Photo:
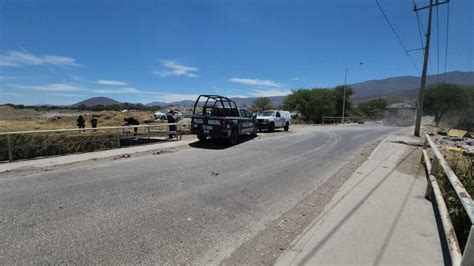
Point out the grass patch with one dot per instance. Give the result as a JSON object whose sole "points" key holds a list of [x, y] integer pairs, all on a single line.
{"points": [[40, 145]]}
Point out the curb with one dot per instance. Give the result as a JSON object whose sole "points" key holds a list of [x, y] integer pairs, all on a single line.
{"points": [[318, 219]]}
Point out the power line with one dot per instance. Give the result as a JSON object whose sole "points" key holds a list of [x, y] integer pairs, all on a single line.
{"points": [[421, 29], [447, 38], [398, 37], [437, 38], [391, 26]]}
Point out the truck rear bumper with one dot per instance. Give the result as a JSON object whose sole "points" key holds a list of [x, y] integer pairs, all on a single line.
{"points": [[213, 133]]}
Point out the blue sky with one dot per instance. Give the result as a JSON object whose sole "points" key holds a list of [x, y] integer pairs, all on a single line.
{"points": [[61, 52]]}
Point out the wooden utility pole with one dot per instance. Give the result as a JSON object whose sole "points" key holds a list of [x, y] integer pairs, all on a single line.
{"points": [[419, 109]]}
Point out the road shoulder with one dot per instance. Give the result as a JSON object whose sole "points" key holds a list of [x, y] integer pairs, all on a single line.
{"points": [[268, 244], [379, 216]]}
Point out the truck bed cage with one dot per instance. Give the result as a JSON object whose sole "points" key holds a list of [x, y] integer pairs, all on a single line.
{"points": [[227, 106]]}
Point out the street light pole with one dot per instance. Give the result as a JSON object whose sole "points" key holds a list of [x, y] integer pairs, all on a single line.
{"points": [[344, 97]]}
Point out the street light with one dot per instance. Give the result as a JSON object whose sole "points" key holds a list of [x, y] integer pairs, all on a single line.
{"points": [[344, 94]]}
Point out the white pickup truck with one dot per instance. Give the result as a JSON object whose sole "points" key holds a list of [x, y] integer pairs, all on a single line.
{"points": [[272, 119]]}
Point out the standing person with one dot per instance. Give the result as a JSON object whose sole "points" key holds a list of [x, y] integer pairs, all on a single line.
{"points": [[81, 122], [130, 121], [94, 121], [171, 119]]}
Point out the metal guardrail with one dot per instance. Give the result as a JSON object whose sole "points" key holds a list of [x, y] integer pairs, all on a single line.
{"points": [[120, 132], [457, 257]]}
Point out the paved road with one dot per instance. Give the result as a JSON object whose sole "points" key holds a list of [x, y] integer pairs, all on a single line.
{"points": [[196, 205]]}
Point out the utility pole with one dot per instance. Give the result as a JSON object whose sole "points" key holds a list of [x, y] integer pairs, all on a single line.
{"points": [[344, 94], [419, 109], [344, 98]]}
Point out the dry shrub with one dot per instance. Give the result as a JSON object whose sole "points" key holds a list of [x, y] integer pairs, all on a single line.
{"points": [[40, 145], [463, 168]]}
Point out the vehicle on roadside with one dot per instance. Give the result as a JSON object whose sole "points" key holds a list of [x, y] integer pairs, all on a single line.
{"points": [[161, 115], [271, 119], [218, 117]]}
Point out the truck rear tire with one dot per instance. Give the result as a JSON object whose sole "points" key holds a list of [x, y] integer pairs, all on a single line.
{"points": [[254, 133], [202, 137], [287, 126], [271, 127], [234, 137]]}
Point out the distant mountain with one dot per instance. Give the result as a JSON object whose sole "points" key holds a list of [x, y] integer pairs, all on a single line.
{"points": [[178, 103], [404, 86], [395, 89], [97, 101], [158, 104], [277, 100]]}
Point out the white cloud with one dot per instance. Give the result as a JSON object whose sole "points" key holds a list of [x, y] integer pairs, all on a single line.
{"points": [[7, 77], [265, 92], [11, 94], [50, 87], [176, 69], [67, 95], [120, 91], [77, 77], [111, 82], [17, 59], [256, 82], [59, 87]]}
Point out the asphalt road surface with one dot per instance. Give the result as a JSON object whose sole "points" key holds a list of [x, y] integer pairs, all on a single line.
{"points": [[195, 205]]}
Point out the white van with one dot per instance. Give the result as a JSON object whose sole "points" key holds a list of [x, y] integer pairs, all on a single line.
{"points": [[271, 119]]}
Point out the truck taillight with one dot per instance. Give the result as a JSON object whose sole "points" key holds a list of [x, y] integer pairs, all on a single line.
{"points": [[223, 123]]}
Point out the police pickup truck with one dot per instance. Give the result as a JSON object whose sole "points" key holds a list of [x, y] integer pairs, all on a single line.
{"points": [[218, 117]]}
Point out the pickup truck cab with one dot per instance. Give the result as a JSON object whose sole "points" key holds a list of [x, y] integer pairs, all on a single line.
{"points": [[271, 119], [218, 117]]}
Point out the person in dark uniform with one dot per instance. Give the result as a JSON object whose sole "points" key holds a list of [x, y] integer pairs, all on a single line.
{"points": [[130, 121], [94, 121], [81, 122], [171, 119]]}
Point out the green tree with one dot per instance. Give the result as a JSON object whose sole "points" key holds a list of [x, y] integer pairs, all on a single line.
{"points": [[466, 118], [262, 103], [313, 104], [82, 107], [372, 108], [443, 98], [299, 100], [339, 94]]}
